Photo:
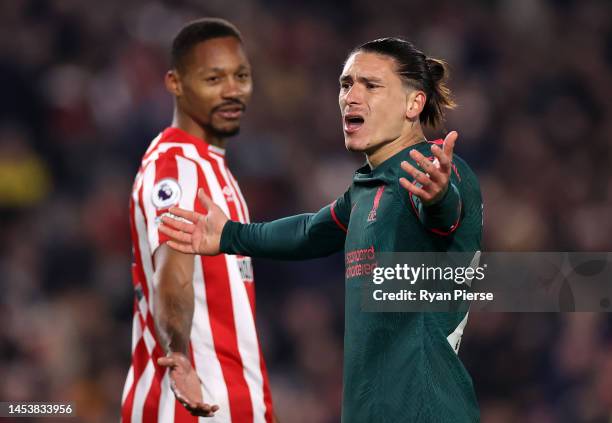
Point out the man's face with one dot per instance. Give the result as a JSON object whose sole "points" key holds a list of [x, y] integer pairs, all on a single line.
{"points": [[372, 100], [216, 85]]}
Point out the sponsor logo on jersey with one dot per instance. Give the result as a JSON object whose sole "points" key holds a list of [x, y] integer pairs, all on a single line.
{"points": [[246, 268], [166, 193]]}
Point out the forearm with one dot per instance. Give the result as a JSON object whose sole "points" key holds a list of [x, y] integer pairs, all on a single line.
{"points": [[292, 238], [173, 299], [443, 216], [173, 315]]}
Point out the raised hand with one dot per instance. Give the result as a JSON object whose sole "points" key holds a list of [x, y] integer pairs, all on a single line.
{"points": [[186, 385], [434, 178], [195, 233]]}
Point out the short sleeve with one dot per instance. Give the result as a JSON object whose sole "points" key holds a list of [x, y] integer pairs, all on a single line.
{"points": [[171, 180]]}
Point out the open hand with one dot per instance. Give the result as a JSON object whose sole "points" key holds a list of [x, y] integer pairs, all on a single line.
{"points": [[195, 233], [433, 180], [186, 385]]}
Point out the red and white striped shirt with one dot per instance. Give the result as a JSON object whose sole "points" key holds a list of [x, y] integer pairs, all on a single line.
{"points": [[224, 345]]}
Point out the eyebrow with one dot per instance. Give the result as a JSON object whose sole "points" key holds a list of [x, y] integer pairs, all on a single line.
{"points": [[363, 79], [217, 69]]}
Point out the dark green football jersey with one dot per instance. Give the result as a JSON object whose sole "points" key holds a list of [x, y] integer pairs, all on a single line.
{"points": [[398, 367]]}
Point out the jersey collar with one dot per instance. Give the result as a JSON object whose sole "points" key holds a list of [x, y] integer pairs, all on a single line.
{"points": [[173, 134]]}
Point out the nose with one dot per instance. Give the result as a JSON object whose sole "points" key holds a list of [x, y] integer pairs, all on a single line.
{"points": [[354, 95], [231, 88]]}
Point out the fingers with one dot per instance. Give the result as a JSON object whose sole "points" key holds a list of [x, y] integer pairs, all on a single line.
{"points": [[419, 176], [175, 235], [427, 165], [412, 188], [196, 408], [203, 410], [183, 248], [205, 199], [185, 214], [177, 224], [449, 144], [443, 159], [167, 362]]}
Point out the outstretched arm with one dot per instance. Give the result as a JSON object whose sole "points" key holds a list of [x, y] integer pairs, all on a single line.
{"points": [[293, 238]]}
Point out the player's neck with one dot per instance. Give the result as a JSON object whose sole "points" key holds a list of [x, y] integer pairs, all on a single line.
{"points": [[188, 125], [390, 149]]}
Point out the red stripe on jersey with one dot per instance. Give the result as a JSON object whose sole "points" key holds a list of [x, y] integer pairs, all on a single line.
{"points": [[245, 209], [237, 199], [250, 288], [333, 213], [138, 276], [267, 394], [138, 356], [456, 171], [379, 193], [177, 136], [151, 403], [223, 327], [138, 261], [139, 361], [181, 415], [151, 408], [231, 205]]}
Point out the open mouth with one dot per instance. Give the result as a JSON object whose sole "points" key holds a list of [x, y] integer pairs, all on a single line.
{"points": [[353, 123]]}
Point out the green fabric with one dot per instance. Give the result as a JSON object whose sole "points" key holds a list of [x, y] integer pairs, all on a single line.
{"points": [[444, 214], [398, 367]]}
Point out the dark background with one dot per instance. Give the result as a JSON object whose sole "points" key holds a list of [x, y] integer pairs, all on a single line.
{"points": [[83, 95]]}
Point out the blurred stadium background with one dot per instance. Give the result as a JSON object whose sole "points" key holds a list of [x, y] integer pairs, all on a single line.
{"points": [[84, 95]]}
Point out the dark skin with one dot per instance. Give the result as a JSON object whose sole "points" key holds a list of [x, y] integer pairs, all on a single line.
{"points": [[211, 87]]}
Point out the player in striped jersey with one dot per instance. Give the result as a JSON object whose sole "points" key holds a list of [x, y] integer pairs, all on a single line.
{"points": [[195, 350]]}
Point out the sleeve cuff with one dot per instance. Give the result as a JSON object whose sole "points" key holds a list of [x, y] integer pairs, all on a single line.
{"points": [[443, 216], [228, 234]]}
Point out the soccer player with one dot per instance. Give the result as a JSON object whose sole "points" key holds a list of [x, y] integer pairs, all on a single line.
{"points": [[195, 350], [412, 195]]}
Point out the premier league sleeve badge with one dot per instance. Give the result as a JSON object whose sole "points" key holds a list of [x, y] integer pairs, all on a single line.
{"points": [[166, 193]]}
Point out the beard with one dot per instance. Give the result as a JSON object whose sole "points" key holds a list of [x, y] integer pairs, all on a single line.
{"points": [[223, 132], [231, 129]]}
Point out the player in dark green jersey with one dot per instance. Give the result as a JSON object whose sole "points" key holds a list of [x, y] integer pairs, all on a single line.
{"points": [[411, 195]]}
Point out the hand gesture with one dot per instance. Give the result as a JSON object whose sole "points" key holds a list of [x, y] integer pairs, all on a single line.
{"points": [[186, 385], [434, 179], [195, 233]]}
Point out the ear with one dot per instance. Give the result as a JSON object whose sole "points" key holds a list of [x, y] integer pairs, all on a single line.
{"points": [[415, 102], [172, 80]]}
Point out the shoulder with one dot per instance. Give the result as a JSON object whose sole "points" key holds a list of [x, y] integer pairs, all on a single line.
{"points": [[463, 170], [466, 181]]}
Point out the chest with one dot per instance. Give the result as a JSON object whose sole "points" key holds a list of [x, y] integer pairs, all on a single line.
{"points": [[375, 211], [382, 221]]}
